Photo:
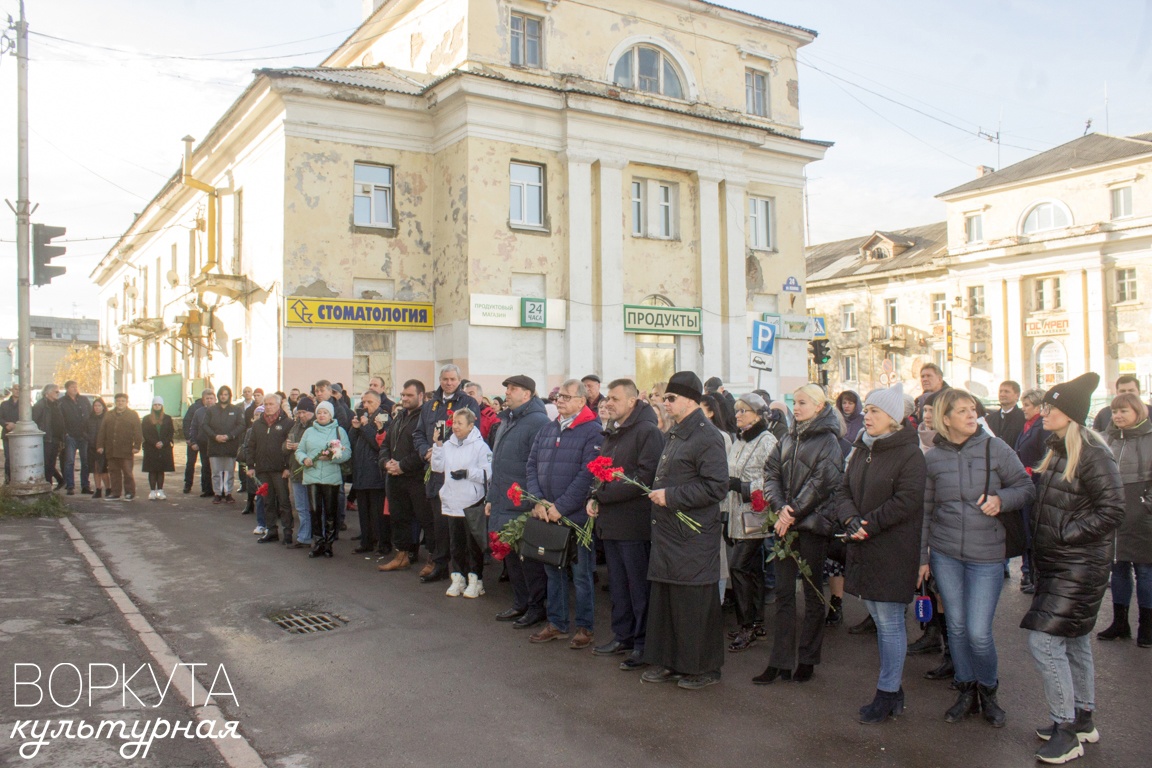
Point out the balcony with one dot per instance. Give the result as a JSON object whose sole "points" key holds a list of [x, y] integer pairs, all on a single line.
{"points": [[143, 327], [898, 337]]}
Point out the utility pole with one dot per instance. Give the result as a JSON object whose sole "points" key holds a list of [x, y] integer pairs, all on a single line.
{"points": [[26, 441]]}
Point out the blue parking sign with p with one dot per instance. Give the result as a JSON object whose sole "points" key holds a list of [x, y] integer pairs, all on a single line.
{"points": [[763, 337]]}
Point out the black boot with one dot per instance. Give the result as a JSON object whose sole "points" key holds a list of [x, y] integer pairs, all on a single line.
{"points": [[967, 703], [995, 716], [946, 671], [1120, 629], [771, 674], [1144, 634], [1083, 726], [1063, 746], [929, 642], [864, 627], [886, 703], [835, 612]]}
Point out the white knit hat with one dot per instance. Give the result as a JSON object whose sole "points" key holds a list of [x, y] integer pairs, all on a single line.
{"points": [[324, 405], [157, 400], [890, 400]]}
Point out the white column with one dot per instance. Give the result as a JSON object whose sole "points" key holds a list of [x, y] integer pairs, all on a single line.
{"points": [[997, 311], [1095, 322], [712, 322], [614, 360], [1078, 341], [581, 328], [1014, 320], [736, 348]]}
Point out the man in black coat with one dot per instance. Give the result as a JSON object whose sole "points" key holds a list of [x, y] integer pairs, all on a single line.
{"points": [[634, 442], [46, 414], [685, 638], [404, 465], [196, 440], [367, 478], [436, 421], [220, 435], [191, 453], [75, 408], [1008, 422], [267, 460]]}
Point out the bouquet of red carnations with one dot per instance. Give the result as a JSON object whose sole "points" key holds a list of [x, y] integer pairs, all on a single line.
{"points": [[603, 471]]}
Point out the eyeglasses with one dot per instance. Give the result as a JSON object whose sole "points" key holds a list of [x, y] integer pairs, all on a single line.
{"points": [[671, 398], [1045, 409], [743, 410], [566, 398]]}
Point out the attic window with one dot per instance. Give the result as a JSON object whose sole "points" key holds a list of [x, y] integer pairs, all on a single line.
{"points": [[879, 253]]}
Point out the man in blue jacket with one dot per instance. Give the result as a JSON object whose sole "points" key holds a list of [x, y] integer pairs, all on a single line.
{"points": [[520, 421], [558, 473]]}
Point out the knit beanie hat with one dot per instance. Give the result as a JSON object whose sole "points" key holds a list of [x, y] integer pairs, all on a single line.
{"points": [[306, 404], [1074, 398], [686, 384], [890, 400], [324, 405], [157, 400]]}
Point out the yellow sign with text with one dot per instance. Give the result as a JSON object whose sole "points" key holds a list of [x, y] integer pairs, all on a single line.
{"points": [[361, 315]]}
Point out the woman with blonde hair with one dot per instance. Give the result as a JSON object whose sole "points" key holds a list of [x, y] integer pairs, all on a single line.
{"points": [[1080, 502], [803, 472]]}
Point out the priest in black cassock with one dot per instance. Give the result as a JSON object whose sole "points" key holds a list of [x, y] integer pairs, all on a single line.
{"points": [[685, 638]]}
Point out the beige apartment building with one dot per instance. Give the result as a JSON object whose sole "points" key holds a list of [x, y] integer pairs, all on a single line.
{"points": [[536, 186], [1041, 271]]}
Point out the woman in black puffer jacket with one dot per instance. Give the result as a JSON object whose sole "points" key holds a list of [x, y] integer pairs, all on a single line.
{"points": [[1080, 502], [803, 472]]}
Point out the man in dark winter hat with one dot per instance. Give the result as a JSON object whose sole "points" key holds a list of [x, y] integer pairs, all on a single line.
{"points": [[685, 638]]}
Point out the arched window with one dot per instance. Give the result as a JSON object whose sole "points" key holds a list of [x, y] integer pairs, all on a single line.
{"points": [[1045, 216], [649, 69]]}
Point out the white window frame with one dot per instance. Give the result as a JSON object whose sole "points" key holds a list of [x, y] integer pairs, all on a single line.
{"points": [[891, 312], [524, 189], [666, 208], [849, 367], [365, 189], [1121, 202], [1050, 207], [847, 317], [762, 223], [974, 228], [519, 39], [976, 300], [753, 77], [939, 307], [1126, 284], [639, 206], [632, 81]]}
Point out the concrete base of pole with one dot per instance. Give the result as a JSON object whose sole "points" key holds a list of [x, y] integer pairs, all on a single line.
{"points": [[26, 460]]}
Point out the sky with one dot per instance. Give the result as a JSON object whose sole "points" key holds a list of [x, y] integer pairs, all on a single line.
{"points": [[912, 94]]}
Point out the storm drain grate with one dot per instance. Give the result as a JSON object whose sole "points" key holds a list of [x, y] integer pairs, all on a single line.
{"points": [[307, 622]]}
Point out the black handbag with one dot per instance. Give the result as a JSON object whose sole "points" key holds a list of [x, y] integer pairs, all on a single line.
{"points": [[477, 520], [1013, 522], [549, 543]]}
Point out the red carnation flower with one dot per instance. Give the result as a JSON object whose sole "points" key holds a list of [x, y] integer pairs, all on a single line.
{"points": [[500, 550], [758, 502], [602, 469], [516, 494], [262, 490]]}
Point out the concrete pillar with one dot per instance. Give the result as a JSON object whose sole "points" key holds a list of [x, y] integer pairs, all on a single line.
{"points": [[1015, 333], [1079, 339], [1095, 325], [996, 310], [736, 347], [712, 322], [614, 359], [581, 327]]}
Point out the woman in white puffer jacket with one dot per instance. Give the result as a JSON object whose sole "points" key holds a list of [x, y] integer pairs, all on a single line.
{"points": [[466, 461]]}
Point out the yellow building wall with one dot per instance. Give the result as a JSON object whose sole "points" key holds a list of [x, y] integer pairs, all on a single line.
{"points": [[653, 265]]}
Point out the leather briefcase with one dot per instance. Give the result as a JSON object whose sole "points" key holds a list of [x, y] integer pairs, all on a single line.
{"points": [[549, 543]]}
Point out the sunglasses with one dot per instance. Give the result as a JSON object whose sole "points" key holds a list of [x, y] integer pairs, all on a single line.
{"points": [[671, 398]]}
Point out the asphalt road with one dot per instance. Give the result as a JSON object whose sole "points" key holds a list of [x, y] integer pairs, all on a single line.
{"points": [[416, 678]]}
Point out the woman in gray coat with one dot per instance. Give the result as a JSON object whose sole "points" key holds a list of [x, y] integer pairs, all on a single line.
{"points": [[1130, 438], [973, 479]]}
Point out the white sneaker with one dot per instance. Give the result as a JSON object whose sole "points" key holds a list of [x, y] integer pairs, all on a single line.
{"points": [[259, 530], [160, 496], [457, 585], [475, 587], [151, 495]]}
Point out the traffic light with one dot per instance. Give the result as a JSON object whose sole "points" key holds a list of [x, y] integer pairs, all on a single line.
{"points": [[43, 252], [819, 349]]}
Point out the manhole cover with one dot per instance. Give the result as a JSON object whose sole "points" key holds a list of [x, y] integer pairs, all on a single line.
{"points": [[302, 622]]}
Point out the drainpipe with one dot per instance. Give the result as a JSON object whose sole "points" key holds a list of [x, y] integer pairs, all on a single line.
{"points": [[213, 201]]}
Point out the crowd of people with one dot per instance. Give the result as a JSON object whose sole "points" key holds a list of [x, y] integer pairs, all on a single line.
{"points": [[730, 502]]}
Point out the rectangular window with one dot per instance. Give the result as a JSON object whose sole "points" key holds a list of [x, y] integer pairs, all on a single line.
{"points": [[975, 299], [756, 92], [848, 367], [665, 221], [891, 317], [760, 229], [1126, 285], [1056, 302], [1042, 297], [638, 205], [939, 307], [525, 41], [974, 228], [526, 195], [372, 201], [848, 317], [1121, 202]]}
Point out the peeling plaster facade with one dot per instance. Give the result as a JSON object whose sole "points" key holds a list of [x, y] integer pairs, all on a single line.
{"points": [[428, 90]]}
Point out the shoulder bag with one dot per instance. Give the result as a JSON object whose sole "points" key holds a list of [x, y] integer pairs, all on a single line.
{"points": [[477, 520]]}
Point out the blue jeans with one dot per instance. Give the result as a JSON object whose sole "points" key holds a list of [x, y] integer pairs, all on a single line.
{"points": [[258, 503], [68, 464], [970, 592], [303, 510], [1067, 671], [582, 571], [1122, 583], [892, 636]]}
